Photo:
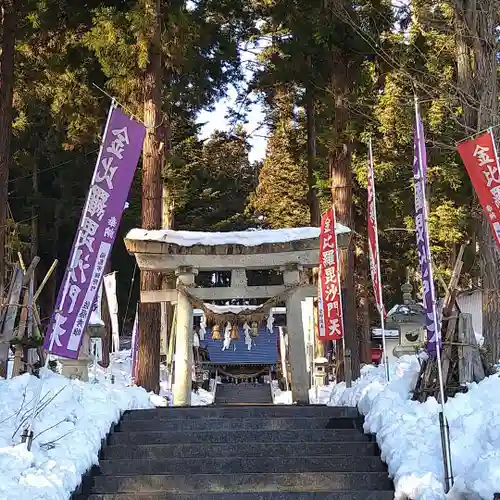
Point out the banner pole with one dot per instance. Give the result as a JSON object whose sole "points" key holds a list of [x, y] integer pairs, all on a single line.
{"points": [[445, 430], [65, 291], [377, 256]]}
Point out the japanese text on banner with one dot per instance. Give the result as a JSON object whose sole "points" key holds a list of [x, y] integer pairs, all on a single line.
{"points": [[372, 240], [330, 321], [423, 248], [481, 161], [96, 233]]}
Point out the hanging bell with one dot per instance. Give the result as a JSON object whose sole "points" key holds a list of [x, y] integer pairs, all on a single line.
{"points": [[234, 333], [255, 329], [216, 333]]}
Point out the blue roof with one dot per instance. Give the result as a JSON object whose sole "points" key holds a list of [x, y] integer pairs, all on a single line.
{"points": [[264, 349]]}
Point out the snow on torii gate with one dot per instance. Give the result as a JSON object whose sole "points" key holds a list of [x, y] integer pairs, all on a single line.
{"points": [[287, 250]]}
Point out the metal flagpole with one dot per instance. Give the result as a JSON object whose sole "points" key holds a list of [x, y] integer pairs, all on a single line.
{"points": [[377, 255], [65, 292], [444, 422]]}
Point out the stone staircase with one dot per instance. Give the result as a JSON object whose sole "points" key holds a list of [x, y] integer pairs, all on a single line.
{"points": [[239, 453], [245, 393]]}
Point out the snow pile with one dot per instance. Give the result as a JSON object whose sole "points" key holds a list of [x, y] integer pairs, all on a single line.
{"points": [[408, 432], [73, 418], [166, 398], [317, 395], [201, 398], [280, 397], [246, 238], [120, 370]]}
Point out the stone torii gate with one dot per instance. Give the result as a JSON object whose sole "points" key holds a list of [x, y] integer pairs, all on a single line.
{"points": [[289, 251]]}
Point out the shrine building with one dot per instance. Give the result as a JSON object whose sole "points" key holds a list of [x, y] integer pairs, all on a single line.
{"points": [[233, 292]]}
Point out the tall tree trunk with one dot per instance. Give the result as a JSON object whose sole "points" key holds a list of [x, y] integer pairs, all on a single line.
{"points": [[148, 369], [477, 80], [168, 279], [8, 17], [342, 191], [51, 294], [34, 212], [312, 196]]}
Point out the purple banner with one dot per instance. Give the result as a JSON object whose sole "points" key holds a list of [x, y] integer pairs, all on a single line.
{"points": [[422, 233], [420, 151], [134, 347], [109, 188]]}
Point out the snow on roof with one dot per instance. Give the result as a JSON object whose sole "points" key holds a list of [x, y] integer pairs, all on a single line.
{"points": [[246, 238]]}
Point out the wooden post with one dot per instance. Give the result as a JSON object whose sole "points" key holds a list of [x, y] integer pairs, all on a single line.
{"points": [[30, 355], [18, 354], [449, 315], [45, 279], [476, 365], [26, 316], [347, 367], [465, 350], [37, 324], [4, 308], [9, 320]]}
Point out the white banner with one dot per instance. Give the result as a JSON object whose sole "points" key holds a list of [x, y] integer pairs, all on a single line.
{"points": [[134, 347], [110, 287], [284, 367], [96, 348], [95, 315], [307, 306]]}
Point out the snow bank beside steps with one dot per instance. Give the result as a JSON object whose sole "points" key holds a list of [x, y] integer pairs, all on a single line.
{"points": [[68, 432], [409, 437]]}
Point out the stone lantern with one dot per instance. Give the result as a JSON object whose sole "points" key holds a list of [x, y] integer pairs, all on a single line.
{"points": [[320, 371], [409, 319], [79, 368]]}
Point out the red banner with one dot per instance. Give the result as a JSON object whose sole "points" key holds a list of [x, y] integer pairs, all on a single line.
{"points": [[373, 239], [481, 161], [330, 320]]}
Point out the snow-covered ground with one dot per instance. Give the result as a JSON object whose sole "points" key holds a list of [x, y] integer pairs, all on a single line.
{"points": [[409, 437], [317, 395], [69, 429], [72, 419], [120, 370]]}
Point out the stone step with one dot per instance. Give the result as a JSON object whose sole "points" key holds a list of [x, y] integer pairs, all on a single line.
{"points": [[205, 412], [282, 495], [252, 449], [228, 437], [251, 423], [243, 393], [242, 483], [255, 465]]}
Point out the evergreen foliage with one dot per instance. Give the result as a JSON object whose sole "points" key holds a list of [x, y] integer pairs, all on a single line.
{"points": [[330, 73]]}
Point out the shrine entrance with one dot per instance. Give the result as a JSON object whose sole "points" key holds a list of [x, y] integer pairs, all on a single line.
{"points": [[236, 280]]}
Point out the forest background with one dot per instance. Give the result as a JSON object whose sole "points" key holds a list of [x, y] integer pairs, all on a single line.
{"points": [[328, 74]]}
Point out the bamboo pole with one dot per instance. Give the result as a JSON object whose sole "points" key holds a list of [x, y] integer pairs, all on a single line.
{"points": [[45, 279]]}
